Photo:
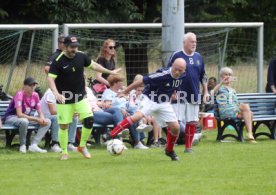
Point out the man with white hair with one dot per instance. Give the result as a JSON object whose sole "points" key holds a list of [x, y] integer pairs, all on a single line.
{"points": [[187, 108]]}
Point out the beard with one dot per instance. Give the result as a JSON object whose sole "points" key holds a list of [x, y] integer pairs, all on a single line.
{"points": [[71, 54]]}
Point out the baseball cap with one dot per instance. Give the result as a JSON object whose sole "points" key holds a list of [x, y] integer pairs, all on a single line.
{"points": [[71, 41], [30, 81]]}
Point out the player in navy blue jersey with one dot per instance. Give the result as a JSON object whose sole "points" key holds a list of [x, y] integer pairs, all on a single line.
{"points": [[159, 88], [188, 107], [55, 54]]}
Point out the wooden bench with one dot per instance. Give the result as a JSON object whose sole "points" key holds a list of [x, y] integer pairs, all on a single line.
{"points": [[263, 107]]}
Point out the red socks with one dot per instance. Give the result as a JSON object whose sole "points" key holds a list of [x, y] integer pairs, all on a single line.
{"points": [[189, 135], [171, 139], [126, 123]]}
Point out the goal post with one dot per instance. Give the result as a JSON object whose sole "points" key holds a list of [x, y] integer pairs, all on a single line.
{"points": [[219, 43], [24, 49]]}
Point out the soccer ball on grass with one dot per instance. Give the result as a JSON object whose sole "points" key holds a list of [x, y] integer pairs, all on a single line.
{"points": [[115, 147]]}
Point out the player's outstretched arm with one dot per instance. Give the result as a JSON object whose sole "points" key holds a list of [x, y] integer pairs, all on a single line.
{"points": [[99, 68], [133, 85]]}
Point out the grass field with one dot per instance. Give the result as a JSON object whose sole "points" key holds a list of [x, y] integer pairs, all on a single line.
{"points": [[215, 168]]}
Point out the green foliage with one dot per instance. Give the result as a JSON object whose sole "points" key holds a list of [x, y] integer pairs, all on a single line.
{"points": [[124, 11], [3, 13]]}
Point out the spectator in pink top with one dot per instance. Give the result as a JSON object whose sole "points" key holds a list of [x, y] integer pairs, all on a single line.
{"points": [[21, 112]]}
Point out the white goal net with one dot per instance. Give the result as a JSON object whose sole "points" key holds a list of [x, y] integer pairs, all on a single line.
{"points": [[139, 48], [24, 50]]}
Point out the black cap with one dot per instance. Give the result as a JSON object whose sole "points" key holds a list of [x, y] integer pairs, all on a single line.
{"points": [[29, 81], [71, 41]]}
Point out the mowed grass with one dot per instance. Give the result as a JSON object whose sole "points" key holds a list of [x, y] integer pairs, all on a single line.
{"points": [[214, 168]]}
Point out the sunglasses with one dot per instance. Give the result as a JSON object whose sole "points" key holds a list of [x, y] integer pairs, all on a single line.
{"points": [[112, 47]]}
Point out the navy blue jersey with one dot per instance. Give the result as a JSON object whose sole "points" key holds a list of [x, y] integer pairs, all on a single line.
{"points": [[160, 86], [195, 73], [271, 75], [53, 57]]}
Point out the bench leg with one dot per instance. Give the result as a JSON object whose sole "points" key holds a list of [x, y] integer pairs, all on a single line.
{"points": [[48, 139], [239, 129], [150, 138], [28, 138], [96, 133], [273, 131], [9, 137], [220, 131], [271, 126]]}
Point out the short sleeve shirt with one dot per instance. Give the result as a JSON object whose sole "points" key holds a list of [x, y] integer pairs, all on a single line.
{"points": [[108, 64], [27, 104], [68, 74], [160, 86], [53, 57], [48, 98], [116, 101]]}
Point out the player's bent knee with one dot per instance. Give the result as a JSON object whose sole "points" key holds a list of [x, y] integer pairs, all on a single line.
{"points": [[88, 122]]}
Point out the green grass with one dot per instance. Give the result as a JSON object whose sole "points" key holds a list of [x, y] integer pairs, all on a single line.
{"points": [[214, 168]]}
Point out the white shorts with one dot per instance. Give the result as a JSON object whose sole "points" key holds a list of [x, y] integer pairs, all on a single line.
{"points": [[186, 112], [163, 112]]}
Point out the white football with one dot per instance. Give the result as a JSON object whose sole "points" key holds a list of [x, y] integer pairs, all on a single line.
{"points": [[115, 147]]}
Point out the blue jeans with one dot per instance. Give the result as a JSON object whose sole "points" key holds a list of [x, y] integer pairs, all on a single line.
{"points": [[108, 116], [72, 130], [55, 127]]}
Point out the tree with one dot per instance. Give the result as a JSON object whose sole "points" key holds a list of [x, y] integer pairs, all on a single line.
{"points": [[236, 11]]}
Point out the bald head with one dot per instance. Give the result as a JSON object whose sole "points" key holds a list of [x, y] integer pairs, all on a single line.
{"points": [[189, 43], [178, 67]]}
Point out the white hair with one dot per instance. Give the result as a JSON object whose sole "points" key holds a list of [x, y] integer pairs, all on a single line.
{"points": [[225, 70], [138, 77], [188, 35]]}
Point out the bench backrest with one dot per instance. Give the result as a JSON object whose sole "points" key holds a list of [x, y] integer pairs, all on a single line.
{"points": [[3, 107], [260, 104]]}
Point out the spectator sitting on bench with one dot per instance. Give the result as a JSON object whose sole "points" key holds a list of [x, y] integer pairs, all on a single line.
{"points": [[147, 123], [20, 113], [110, 97], [48, 108], [228, 105], [104, 114]]}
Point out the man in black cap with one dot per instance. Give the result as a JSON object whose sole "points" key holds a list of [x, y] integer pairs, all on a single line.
{"points": [[20, 113], [66, 80], [73, 126]]}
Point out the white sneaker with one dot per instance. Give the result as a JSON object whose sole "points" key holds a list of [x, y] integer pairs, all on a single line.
{"points": [[197, 138], [144, 128], [35, 148], [140, 146], [22, 149], [55, 148], [71, 148], [125, 148]]}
